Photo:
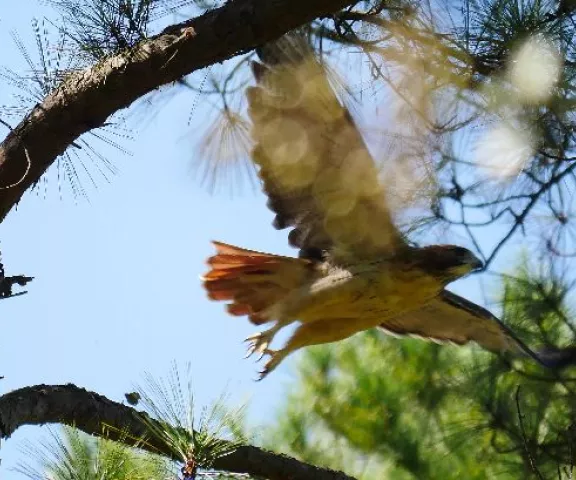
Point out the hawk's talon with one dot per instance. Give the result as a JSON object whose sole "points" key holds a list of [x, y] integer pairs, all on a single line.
{"points": [[258, 343], [250, 338], [262, 374], [250, 351], [270, 365]]}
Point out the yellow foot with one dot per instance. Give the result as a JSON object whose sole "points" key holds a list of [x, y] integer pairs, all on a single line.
{"points": [[258, 343], [275, 358]]}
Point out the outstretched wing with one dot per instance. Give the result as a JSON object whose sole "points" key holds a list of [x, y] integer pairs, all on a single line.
{"points": [[316, 170], [452, 318]]}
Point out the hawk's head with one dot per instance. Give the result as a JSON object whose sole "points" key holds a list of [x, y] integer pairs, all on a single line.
{"points": [[450, 261]]}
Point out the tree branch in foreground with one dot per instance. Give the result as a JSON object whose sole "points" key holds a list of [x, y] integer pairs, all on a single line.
{"points": [[93, 413], [87, 98]]}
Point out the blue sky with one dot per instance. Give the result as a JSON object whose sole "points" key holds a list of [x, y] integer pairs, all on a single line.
{"points": [[117, 292]]}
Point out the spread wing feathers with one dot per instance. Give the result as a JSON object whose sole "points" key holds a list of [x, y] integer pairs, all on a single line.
{"points": [[254, 281], [452, 318], [315, 167]]}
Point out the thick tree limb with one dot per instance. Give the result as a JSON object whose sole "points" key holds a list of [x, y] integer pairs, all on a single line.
{"points": [[92, 413], [87, 98]]}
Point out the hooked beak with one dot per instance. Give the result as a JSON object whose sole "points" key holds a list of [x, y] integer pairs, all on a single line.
{"points": [[477, 265]]}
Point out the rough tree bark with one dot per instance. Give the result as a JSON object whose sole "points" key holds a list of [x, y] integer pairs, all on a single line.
{"points": [[93, 413], [87, 98]]}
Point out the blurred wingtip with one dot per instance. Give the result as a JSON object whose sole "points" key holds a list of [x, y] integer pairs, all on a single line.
{"points": [[290, 48], [557, 358]]}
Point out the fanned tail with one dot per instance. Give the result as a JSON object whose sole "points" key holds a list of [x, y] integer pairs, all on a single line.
{"points": [[255, 282]]}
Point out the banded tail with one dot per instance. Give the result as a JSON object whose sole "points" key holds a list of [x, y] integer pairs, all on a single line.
{"points": [[255, 282]]}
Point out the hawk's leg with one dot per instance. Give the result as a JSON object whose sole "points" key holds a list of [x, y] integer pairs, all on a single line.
{"points": [[315, 333], [259, 341]]}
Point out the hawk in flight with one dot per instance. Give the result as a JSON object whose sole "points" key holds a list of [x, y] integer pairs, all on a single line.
{"points": [[355, 270]]}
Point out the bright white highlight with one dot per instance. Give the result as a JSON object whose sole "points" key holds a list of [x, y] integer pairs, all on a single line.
{"points": [[502, 151], [535, 69]]}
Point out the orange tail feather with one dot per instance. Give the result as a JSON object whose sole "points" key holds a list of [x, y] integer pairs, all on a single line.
{"points": [[255, 282]]}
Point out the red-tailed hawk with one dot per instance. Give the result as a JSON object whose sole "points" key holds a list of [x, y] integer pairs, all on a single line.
{"points": [[355, 270]]}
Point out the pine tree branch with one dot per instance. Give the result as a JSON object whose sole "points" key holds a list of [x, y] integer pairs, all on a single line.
{"points": [[87, 98], [97, 415]]}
